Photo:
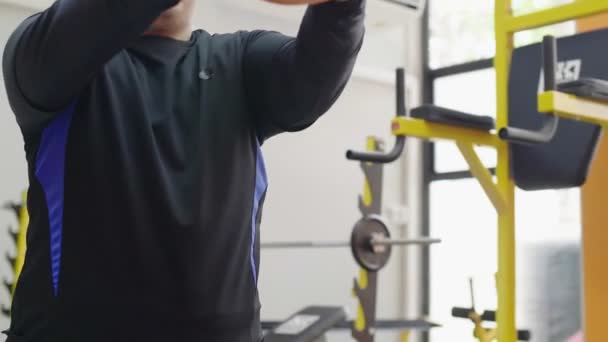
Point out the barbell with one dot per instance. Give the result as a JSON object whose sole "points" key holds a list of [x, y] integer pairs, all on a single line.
{"points": [[341, 244], [370, 243]]}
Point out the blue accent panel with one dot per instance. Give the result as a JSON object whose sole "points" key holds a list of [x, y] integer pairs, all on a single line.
{"points": [[261, 184], [50, 172]]}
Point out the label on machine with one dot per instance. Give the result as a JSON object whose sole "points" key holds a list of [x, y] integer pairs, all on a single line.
{"points": [[297, 324]]}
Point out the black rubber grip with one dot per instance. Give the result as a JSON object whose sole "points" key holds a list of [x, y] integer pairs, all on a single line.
{"points": [[524, 335], [401, 105], [550, 62], [462, 312], [488, 316]]}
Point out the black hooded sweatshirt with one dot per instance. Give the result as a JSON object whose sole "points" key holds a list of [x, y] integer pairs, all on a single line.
{"points": [[146, 175]]}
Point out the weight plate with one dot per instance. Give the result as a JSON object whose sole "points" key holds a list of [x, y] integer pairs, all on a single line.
{"points": [[371, 258]]}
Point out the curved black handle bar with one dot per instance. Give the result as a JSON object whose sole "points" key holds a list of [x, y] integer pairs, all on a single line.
{"points": [[395, 153], [525, 136], [376, 157], [546, 133]]}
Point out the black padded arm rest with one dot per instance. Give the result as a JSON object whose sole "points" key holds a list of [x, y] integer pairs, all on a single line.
{"points": [[307, 325], [591, 88], [450, 117]]}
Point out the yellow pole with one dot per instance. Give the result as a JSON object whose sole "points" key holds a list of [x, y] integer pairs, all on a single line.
{"points": [[506, 220], [370, 145], [483, 176], [361, 321], [24, 220]]}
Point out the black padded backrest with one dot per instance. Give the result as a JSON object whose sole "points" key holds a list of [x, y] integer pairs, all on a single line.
{"points": [[565, 161]]}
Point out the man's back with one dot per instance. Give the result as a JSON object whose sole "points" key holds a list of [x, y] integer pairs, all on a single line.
{"points": [[146, 191]]}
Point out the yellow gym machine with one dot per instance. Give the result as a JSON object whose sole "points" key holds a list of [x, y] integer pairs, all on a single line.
{"points": [[19, 237], [481, 332], [467, 131]]}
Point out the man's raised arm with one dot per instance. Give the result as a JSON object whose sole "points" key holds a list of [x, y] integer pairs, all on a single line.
{"points": [[290, 82], [54, 54]]}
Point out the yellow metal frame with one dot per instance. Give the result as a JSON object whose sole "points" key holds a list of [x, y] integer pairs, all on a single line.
{"points": [[572, 107], [502, 192], [24, 221], [554, 15], [361, 322], [483, 176], [506, 25], [481, 333], [427, 130]]}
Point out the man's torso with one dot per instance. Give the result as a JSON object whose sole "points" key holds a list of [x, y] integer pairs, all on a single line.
{"points": [[151, 233]]}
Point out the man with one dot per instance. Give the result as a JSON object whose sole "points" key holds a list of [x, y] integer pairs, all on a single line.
{"points": [[146, 176]]}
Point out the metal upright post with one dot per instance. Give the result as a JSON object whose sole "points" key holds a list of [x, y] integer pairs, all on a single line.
{"points": [[506, 218]]}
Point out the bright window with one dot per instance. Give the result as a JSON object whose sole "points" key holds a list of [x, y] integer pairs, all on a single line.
{"points": [[463, 31], [548, 247]]}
